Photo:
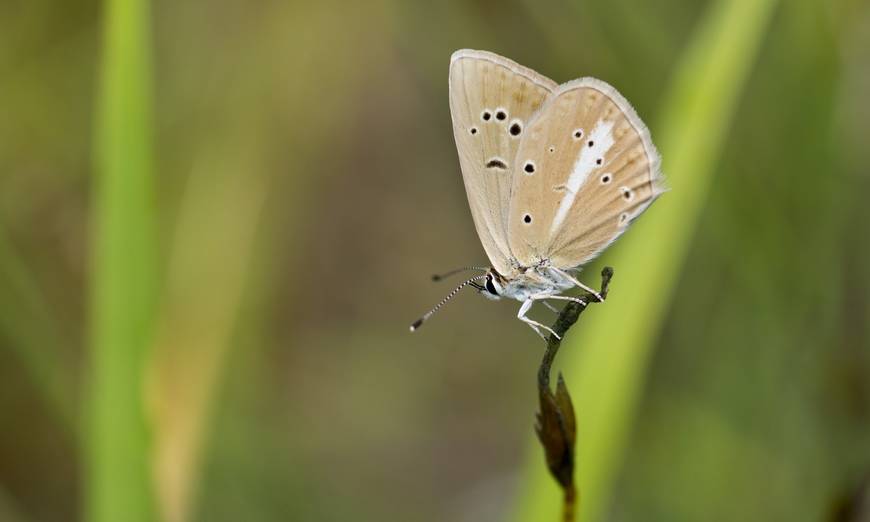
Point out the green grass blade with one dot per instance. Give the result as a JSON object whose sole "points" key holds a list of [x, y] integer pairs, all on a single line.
{"points": [[607, 355], [123, 272], [200, 307]]}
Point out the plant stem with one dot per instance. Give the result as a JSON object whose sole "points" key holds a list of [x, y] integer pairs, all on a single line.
{"points": [[123, 273], [556, 426], [569, 315]]}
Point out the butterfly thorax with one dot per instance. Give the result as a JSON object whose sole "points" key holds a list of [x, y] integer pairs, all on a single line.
{"points": [[524, 282]]}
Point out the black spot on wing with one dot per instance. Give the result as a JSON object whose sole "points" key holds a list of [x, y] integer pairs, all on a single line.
{"points": [[496, 163]]}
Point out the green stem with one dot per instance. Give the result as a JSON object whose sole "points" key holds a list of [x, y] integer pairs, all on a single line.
{"points": [[123, 275]]}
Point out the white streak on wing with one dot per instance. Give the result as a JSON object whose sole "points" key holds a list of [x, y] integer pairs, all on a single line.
{"points": [[602, 139]]}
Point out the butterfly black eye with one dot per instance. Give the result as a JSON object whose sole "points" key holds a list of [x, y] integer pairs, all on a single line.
{"points": [[598, 161], [527, 219], [486, 115], [515, 129], [591, 143], [578, 134], [473, 130], [529, 167], [490, 287], [500, 115]]}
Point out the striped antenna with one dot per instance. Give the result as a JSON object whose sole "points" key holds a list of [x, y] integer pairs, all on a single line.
{"points": [[416, 325], [439, 277]]}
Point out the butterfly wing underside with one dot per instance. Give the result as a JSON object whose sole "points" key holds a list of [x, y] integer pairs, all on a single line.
{"points": [[491, 101], [586, 168]]}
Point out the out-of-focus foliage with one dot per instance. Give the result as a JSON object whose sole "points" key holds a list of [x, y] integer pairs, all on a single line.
{"points": [[305, 186]]}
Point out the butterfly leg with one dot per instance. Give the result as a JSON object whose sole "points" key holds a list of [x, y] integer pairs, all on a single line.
{"points": [[536, 326], [598, 297], [550, 307], [542, 298]]}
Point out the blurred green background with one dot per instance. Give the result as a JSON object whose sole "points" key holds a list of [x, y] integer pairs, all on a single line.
{"points": [[217, 220]]}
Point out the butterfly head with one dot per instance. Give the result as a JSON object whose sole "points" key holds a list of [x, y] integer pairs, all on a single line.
{"points": [[493, 286]]}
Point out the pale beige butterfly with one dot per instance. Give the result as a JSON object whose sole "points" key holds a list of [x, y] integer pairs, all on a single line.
{"points": [[554, 174]]}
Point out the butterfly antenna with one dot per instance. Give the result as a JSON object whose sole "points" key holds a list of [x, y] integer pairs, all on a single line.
{"points": [[439, 277], [416, 324]]}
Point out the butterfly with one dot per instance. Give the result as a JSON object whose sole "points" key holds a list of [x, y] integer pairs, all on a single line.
{"points": [[554, 174]]}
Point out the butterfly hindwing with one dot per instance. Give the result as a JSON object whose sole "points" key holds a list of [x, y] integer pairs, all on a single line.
{"points": [[491, 102], [586, 167]]}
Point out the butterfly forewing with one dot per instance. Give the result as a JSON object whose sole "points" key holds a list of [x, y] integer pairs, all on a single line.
{"points": [[586, 167], [492, 100]]}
